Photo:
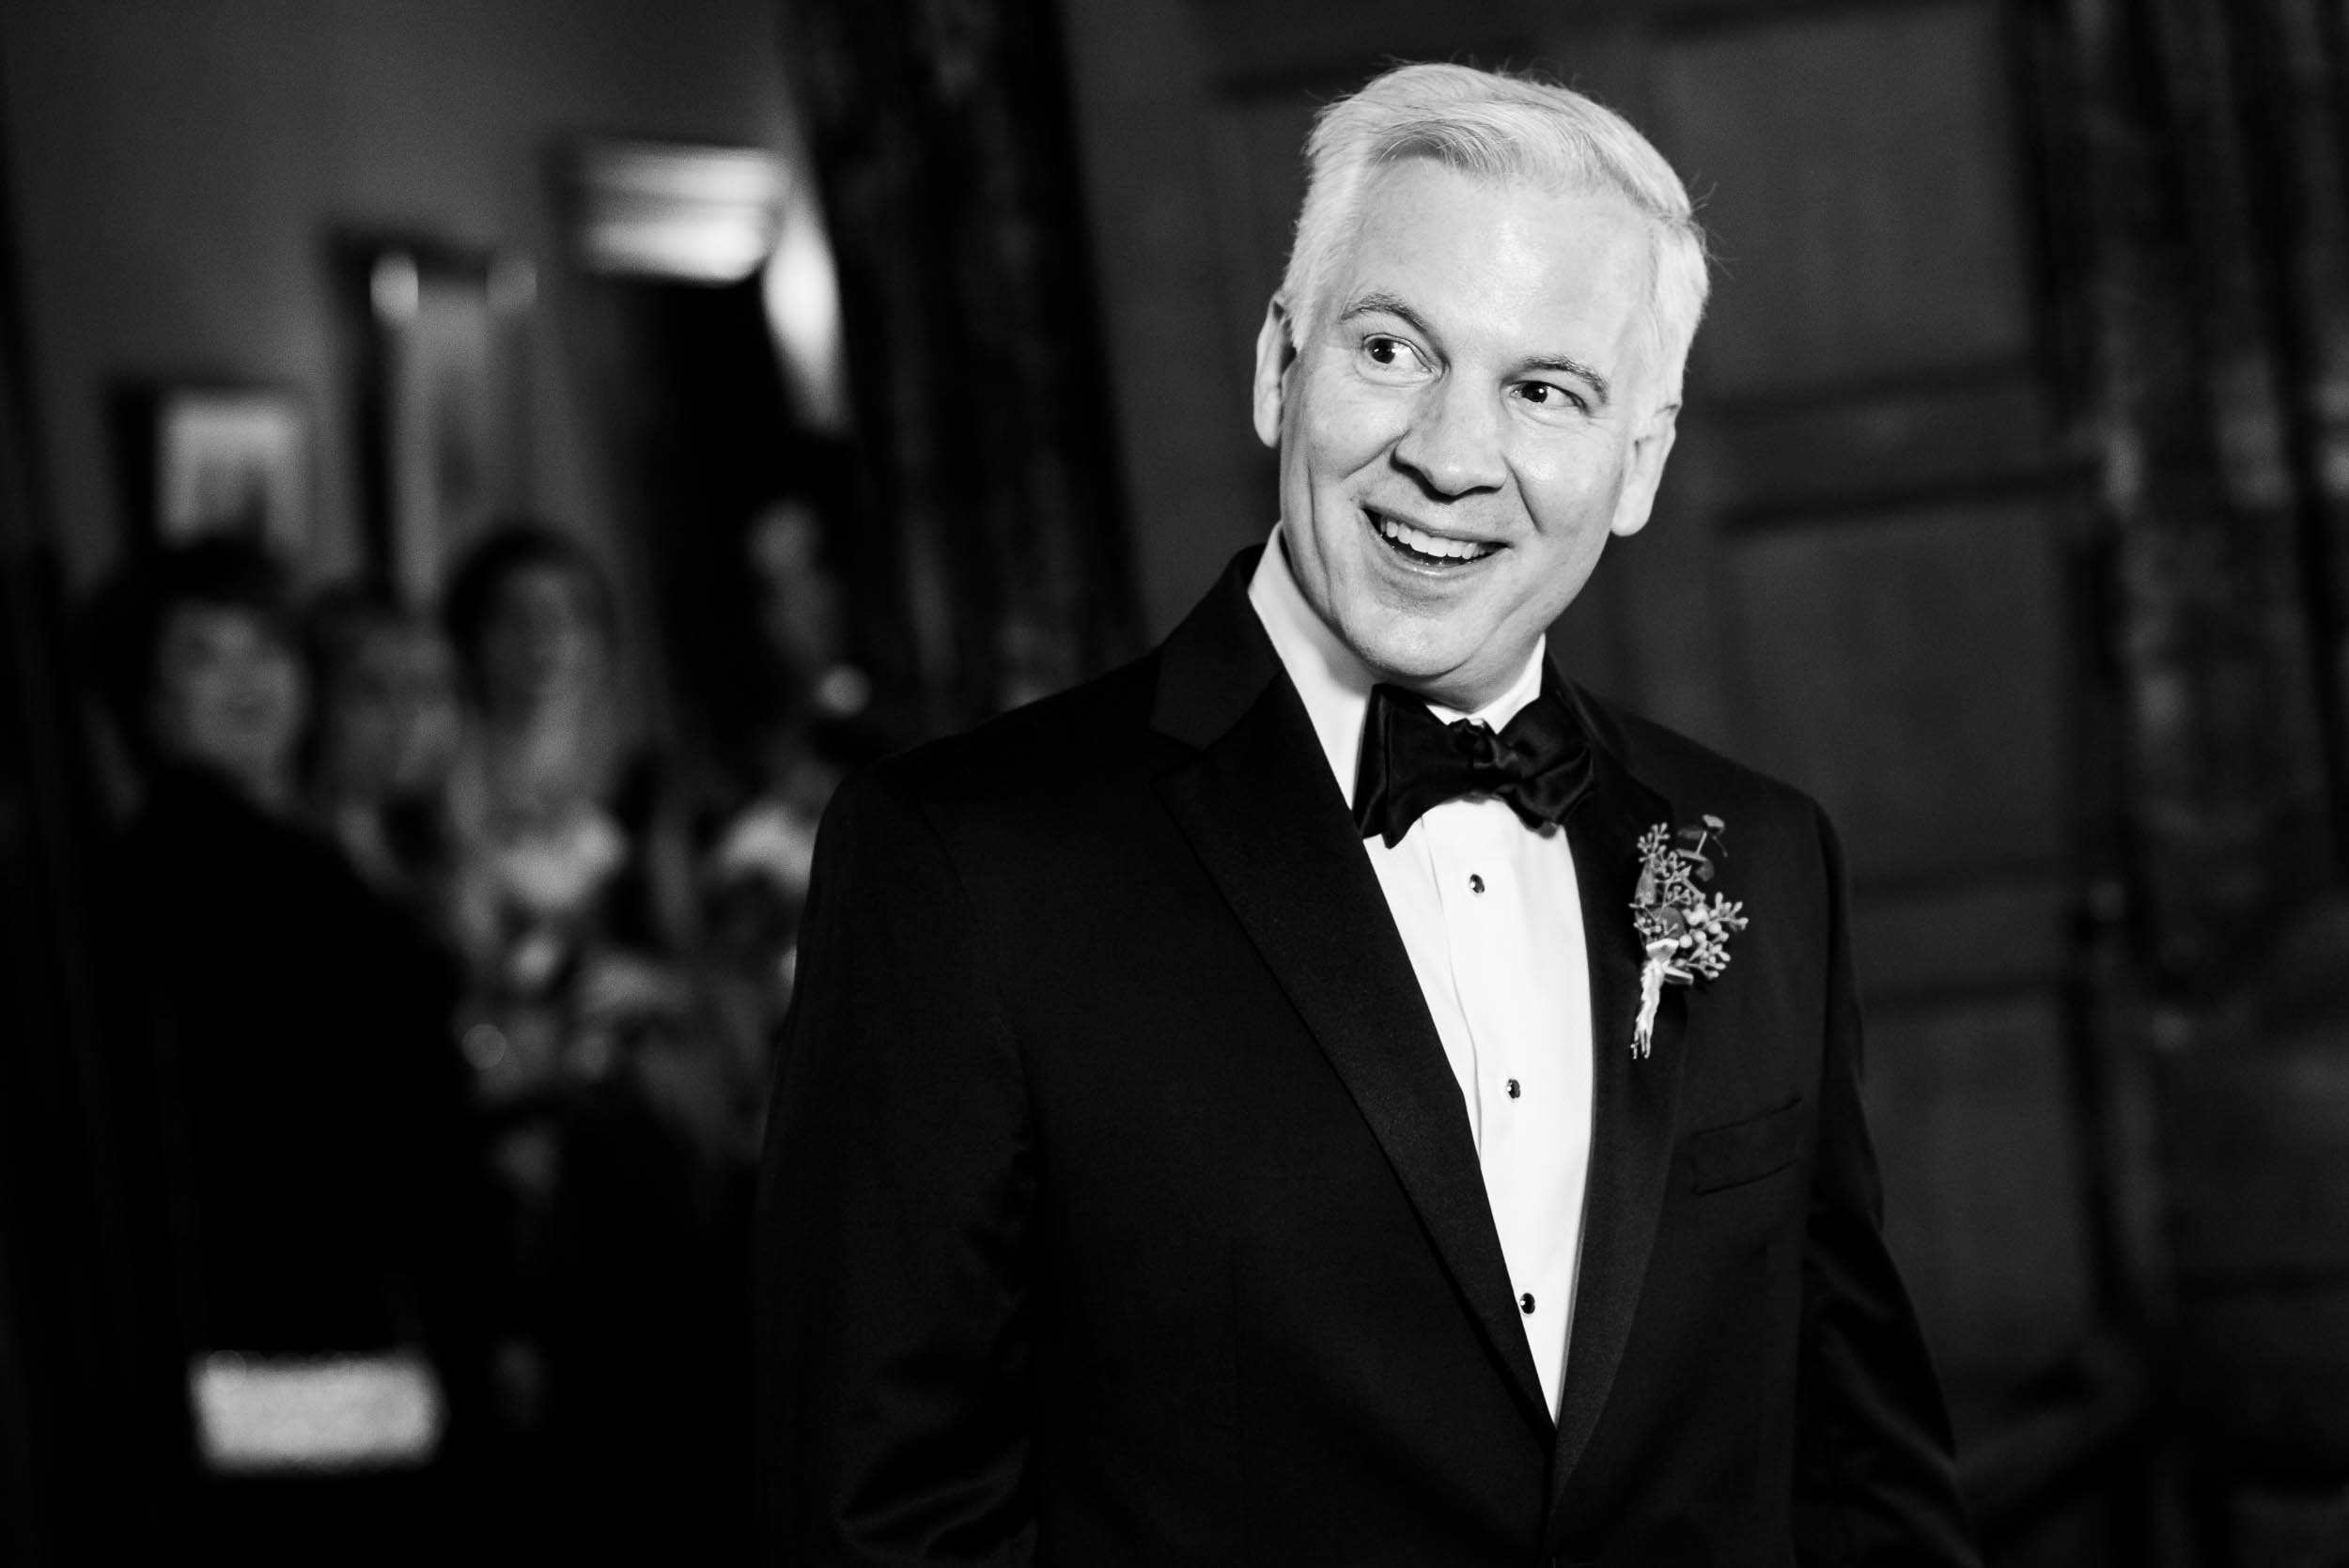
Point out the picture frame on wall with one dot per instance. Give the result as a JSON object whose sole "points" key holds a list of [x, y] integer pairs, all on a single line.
{"points": [[442, 335], [229, 459]]}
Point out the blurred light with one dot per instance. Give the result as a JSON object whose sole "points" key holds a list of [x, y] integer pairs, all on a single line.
{"points": [[803, 296], [698, 214], [395, 287], [263, 1415]]}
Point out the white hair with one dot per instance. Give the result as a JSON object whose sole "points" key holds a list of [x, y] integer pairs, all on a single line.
{"points": [[1497, 126]]}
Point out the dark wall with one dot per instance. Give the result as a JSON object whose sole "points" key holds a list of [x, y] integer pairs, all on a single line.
{"points": [[177, 167]]}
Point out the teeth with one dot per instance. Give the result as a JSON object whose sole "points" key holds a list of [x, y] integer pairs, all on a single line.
{"points": [[1428, 544]]}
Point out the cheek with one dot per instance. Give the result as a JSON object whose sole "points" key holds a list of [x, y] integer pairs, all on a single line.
{"points": [[1570, 492], [1347, 426]]}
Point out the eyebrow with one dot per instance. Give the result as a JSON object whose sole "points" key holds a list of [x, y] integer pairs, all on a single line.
{"points": [[1376, 303]]}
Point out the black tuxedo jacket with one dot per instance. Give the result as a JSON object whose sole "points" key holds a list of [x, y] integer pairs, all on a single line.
{"points": [[1120, 1207]]}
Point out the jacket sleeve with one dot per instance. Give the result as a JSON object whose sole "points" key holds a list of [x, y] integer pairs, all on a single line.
{"points": [[895, 1216], [1874, 1480]]}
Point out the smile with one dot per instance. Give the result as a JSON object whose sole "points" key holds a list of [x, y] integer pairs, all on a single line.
{"points": [[1424, 549]]}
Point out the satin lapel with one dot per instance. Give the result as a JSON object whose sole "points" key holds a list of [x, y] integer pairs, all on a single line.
{"points": [[1635, 1104], [1269, 823]]}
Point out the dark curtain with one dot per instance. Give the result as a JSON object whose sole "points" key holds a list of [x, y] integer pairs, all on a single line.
{"points": [[2198, 224], [942, 142], [2194, 157]]}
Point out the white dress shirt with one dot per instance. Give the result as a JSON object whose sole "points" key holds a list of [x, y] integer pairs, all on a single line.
{"points": [[1489, 913]]}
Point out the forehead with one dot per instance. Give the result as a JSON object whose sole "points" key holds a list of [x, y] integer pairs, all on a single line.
{"points": [[1510, 256]]}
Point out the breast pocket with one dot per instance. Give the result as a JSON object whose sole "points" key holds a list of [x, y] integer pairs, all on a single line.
{"points": [[1746, 1151]]}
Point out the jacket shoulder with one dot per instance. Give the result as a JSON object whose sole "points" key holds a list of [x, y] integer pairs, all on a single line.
{"points": [[1700, 781], [1038, 759]]}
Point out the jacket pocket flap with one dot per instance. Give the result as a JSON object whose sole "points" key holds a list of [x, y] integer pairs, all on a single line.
{"points": [[1745, 1151]]}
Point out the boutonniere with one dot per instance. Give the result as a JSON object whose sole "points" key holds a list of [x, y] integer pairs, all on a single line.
{"points": [[1687, 935]]}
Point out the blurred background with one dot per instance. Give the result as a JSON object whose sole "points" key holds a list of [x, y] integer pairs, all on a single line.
{"points": [[475, 473]]}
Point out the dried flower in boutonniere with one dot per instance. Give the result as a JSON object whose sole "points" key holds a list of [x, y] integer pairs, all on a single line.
{"points": [[1687, 935]]}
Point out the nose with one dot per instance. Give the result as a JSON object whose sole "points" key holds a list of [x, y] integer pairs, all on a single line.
{"points": [[1453, 446]]}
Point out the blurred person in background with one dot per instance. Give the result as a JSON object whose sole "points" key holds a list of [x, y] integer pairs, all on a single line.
{"points": [[623, 1114], [384, 741], [286, 1035], [574, 877], [815, 724]]}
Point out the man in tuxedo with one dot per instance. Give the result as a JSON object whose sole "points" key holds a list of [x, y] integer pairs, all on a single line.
{"points": [[1284, 1102]]}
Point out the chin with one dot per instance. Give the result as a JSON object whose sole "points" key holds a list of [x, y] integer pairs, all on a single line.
{"points": [[1418, 661]]}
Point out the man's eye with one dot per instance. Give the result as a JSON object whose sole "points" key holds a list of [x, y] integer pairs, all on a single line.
{"points": [[1391, 353], [1548, 394]]}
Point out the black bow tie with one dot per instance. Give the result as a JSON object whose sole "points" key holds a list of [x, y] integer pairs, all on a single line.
{"points": [[1412, 760]]}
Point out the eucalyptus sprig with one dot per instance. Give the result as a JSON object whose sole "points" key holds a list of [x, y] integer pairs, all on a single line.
{"points": [[1685, 933]]}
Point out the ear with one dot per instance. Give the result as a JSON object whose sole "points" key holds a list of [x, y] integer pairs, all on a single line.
{"points": [[1276, 350], [1649, 448]]}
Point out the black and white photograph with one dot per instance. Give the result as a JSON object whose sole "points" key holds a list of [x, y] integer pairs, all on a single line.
{"points": [[1165, 783]]}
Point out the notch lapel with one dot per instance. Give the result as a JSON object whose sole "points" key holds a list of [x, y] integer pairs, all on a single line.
{"points": [[1635, 1102], [1270, 825]]}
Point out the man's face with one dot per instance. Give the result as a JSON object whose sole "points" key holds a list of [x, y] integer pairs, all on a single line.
{"points": [[1469, 417]]}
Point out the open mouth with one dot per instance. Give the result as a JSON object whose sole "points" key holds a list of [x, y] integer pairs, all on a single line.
{"points": [[1423, 548]]}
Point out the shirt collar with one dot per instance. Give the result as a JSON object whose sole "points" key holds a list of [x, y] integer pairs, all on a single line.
{"points": [[1332, 678]]}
